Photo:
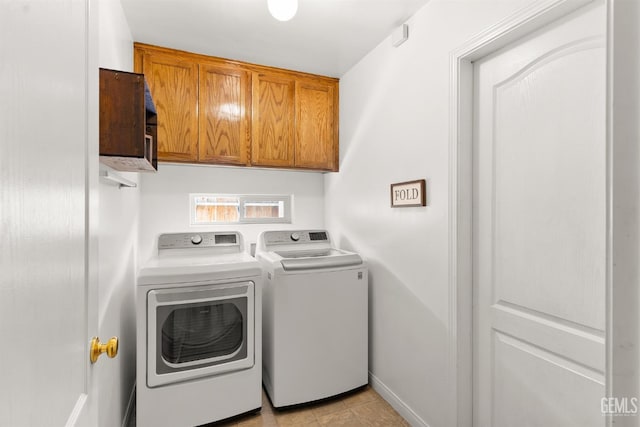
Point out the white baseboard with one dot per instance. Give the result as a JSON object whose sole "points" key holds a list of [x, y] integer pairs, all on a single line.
{"points": [[396, 403], [131, 405]]}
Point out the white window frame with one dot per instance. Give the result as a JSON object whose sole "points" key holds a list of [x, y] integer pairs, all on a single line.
{"points": [[243, 199]]}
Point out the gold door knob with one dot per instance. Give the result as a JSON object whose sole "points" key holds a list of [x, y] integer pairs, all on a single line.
{"points": [[97, 348]]}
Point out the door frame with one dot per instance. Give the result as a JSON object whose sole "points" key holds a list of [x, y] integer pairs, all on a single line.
{"points": [[86, 408], [623, 229]]}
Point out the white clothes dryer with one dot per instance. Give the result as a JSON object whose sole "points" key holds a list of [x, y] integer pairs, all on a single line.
{"points": [[315, 317], [199, 340]]}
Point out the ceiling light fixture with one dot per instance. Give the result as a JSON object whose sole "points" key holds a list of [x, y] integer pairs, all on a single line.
{"points": [[282, 10]]}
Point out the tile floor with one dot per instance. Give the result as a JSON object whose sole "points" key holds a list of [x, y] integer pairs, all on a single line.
{"points": [[360, 408], [363, 407]]}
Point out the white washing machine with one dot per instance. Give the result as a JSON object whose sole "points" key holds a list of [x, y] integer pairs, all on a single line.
{"points": [[198, 318], [315, 317]]}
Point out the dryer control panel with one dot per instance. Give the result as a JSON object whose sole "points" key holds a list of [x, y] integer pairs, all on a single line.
{"points": [[203, 240]]}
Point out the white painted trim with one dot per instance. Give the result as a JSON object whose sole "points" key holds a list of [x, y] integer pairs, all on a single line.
{"points": [[609, 178], [131, 405], [623, 152], [460, 358], [396, 403]]}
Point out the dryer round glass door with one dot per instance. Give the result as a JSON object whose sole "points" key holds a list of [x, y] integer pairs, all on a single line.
{"points": [[199, 331]]}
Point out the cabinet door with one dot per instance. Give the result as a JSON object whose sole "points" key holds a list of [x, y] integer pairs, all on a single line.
{"points": [[173, 83], [316, 125], [225, 109], [273, 120], [122, 114]]}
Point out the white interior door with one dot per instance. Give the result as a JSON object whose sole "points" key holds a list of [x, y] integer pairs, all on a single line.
{"points": [[48, 135], [540, 227]]}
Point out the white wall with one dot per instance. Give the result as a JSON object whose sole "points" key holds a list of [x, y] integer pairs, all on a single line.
{"points": [[118, 215], [165, 199], [394, 118]]}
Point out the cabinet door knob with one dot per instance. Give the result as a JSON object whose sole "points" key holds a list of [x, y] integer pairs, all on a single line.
{"points": [[97, 348]]}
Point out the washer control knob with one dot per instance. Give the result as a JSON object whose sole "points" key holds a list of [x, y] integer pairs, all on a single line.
{"points": [[196, 240], [295, 236]]}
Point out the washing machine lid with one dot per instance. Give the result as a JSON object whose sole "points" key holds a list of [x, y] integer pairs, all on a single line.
{"points": [[296, 250], [307, 260]]}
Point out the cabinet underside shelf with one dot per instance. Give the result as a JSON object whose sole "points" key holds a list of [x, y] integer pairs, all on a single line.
{"points": [[122, 182]]}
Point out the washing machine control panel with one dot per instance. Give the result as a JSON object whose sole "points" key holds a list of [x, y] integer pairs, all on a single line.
{"points": [[295, 237]]}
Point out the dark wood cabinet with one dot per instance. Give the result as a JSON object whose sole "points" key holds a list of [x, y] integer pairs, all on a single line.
{"points": [[128, 122]]}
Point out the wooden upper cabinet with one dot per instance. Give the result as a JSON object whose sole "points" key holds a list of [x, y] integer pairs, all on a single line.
{"points": [[218, 111], [316, 125], [225, 112], [173, 83], [273, 120]]}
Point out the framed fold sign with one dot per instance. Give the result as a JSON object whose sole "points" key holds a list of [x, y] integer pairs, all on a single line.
{"points": [[408, 194]]}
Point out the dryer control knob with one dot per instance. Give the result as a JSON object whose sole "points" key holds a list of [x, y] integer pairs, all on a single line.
{"points": [[196, 240], [295, 237]]}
